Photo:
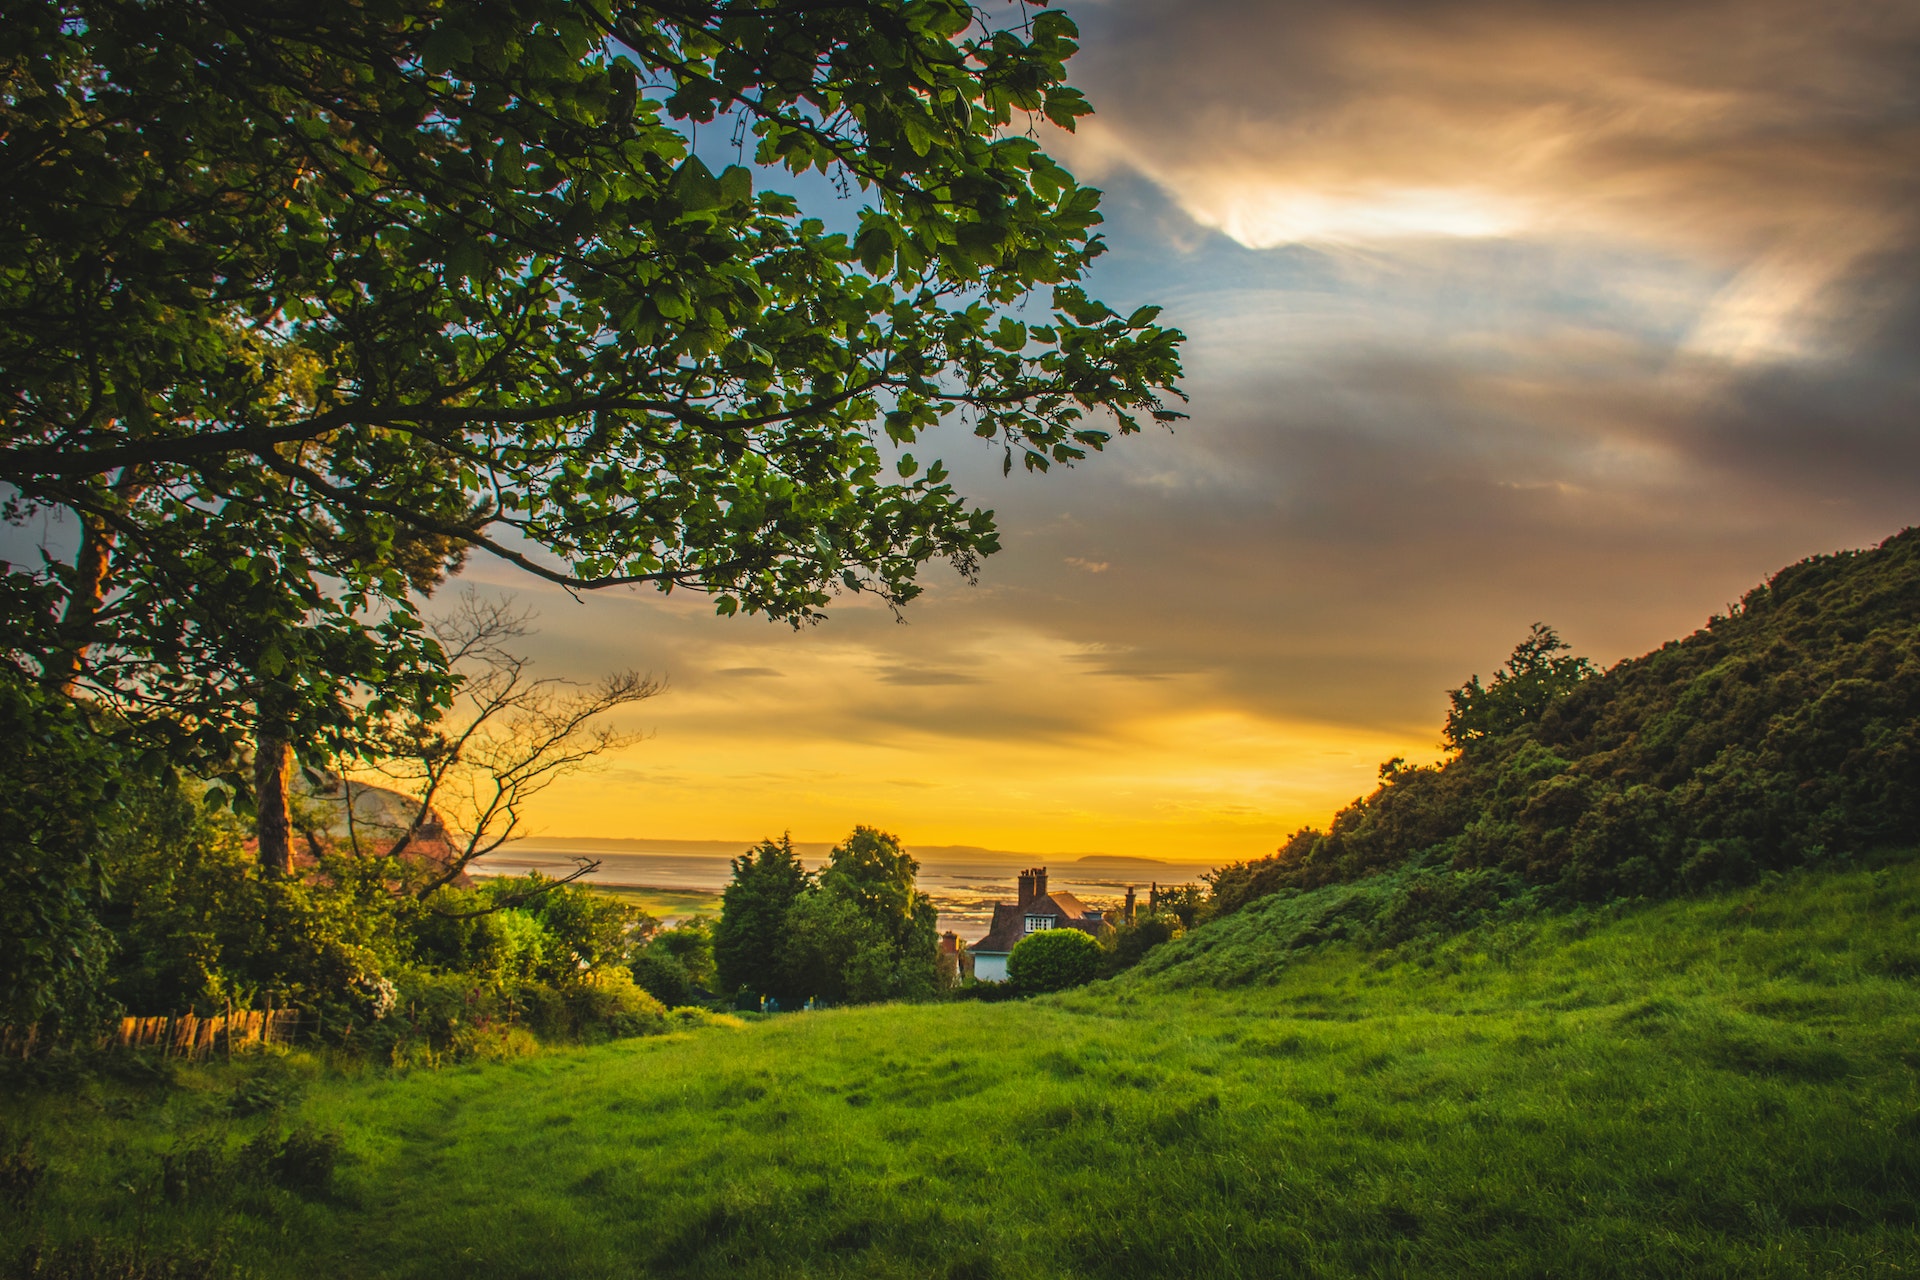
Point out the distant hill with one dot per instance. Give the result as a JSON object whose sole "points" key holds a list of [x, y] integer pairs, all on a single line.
{"points": [[1787, 731], [377, 812]]}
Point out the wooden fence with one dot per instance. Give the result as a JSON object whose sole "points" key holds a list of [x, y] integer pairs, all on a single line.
{"points": [[186, 1036]]}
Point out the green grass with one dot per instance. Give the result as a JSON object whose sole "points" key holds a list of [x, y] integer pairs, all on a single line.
{"points": [[1727, 1086], [663, 903]]}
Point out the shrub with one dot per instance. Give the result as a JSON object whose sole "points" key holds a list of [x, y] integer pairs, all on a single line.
{"points": [[59, 800], [1053, 960], [1127, 944], [662, 976], [677, 963]]}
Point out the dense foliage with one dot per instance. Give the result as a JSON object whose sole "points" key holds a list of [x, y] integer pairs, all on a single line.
{"points": [[1787, 730], [59, 784], [1053, 960], [858, 931], [302, 303], [123, 892], [676, 966]]}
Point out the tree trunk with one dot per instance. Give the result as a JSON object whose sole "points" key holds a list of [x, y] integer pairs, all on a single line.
{"points": [[272, 774], [80, 620]]}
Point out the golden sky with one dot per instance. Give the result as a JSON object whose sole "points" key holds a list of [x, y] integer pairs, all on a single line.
{"points": [[1500, 312]]}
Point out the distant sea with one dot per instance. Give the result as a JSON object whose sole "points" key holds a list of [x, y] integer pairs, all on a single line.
{"points": [[963, 880]]}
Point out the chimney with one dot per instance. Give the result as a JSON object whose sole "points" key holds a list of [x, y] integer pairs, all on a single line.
{"points": [[1129, 914], [1026, 887], [950, 943], [1039, 882]]}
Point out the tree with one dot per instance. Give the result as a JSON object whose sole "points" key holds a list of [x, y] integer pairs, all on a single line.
{"points": [[291, 290], [831, 952], [1533, 679], [870, 870], [864, 932], [1053, 960], [747, 943]]}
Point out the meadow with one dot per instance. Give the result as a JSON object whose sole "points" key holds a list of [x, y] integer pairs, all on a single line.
{"points": [[663, 904], [1725, 1085]]}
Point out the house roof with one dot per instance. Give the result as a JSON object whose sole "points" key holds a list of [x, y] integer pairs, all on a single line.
{"points": [[1010, 921]]}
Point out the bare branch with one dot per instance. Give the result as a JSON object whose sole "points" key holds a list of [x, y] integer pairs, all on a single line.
{"points": [[509, 736]]}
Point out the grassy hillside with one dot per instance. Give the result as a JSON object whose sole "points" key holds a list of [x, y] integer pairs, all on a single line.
{"points": [[1722, 1086]]}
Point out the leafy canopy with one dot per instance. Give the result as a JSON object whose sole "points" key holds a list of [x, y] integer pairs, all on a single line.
{"points": [[1539, 673], [301, 301]]}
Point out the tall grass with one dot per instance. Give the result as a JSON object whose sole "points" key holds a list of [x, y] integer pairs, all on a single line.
{"points": [[1727, 1086]]}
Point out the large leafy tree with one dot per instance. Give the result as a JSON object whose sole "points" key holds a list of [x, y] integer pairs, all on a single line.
{"points": [[299, 302]]}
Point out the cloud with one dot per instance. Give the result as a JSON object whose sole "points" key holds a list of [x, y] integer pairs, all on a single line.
{"points": [[1498, 313], [1371, 118], [922, 677]]}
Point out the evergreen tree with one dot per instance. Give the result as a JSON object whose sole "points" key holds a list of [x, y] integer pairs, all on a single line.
{"points": [[747, 943]]}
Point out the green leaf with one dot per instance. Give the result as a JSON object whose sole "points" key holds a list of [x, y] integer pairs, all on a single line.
{"points": [[1052, 24], [736, 185], [694, 187], [447, 48]]}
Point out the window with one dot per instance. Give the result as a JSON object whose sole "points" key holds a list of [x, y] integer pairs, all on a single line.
{"points": [[1036, 923]]}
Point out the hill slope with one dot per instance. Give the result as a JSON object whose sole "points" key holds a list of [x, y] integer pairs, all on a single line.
{"points": [[1787, 730], [1725, 1086]]}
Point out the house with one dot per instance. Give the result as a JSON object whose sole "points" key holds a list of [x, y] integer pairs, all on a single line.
{"points": [[1037, 909]]}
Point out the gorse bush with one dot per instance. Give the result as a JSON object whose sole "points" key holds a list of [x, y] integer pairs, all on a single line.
{"points": [[1053, 960], [1787, 729]]}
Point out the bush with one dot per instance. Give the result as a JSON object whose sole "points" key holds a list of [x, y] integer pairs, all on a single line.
{"points": [[663, 977], [58, 799], [1128, 944], [1053, 960], [676, 966]]}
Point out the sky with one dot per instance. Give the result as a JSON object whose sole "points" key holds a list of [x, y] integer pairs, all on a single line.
{"points": [[1591, 314]]}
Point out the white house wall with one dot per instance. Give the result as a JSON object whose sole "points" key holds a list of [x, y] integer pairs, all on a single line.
{"points": [[989, 968]]}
